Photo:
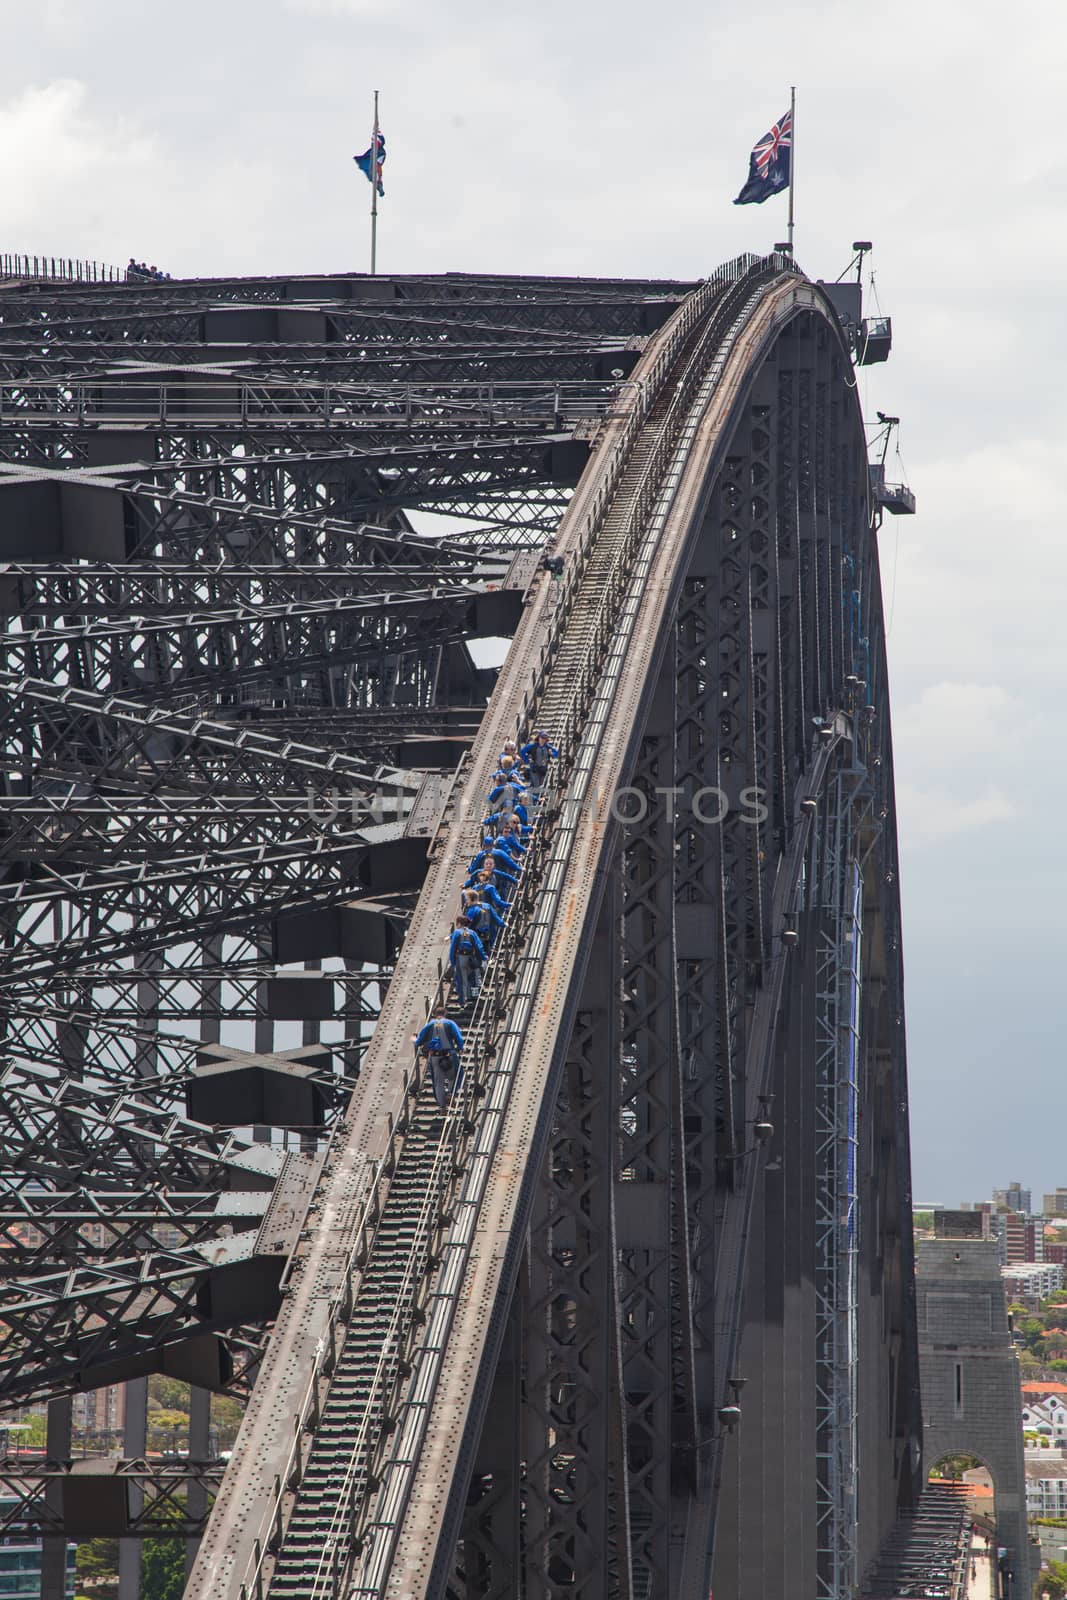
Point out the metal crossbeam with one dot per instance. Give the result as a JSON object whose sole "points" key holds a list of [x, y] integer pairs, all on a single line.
{"points": [[161, 1495]]}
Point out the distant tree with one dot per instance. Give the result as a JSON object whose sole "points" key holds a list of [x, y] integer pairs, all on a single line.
{"points": [[922, 1219], [163, 1565], [1052, 1580], [36, 1433], [1029, 1365], [97, 1565], [163, 1569], [164, 1425], [956, 1466], [170, 1393], [226, 1415]]}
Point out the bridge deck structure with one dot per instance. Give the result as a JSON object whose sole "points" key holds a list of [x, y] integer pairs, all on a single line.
{"points": [[633, 1314]]}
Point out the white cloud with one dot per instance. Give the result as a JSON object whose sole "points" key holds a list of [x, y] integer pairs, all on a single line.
{"points": [[930, 816], [956, 725], [335, 8], [58, 159]]}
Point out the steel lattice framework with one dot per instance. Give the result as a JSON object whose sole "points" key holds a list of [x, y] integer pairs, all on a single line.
{"points": [[636, 1313]]}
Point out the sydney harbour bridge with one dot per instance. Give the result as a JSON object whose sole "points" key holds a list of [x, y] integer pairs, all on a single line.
{"points": [[632, 1317]]}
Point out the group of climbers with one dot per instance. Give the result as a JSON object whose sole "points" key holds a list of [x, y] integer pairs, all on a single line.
{"points": [[494, 871]]}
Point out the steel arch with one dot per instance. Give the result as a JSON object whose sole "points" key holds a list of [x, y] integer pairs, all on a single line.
{"points": [[719, 632]]}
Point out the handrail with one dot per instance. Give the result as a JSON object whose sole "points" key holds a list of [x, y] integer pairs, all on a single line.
{"points": [[59, 269], [221, 396]]}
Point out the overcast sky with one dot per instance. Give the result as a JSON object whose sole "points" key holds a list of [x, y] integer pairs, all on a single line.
{"points": [[609, 137]]}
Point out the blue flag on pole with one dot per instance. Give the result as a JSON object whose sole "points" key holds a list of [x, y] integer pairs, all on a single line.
{"points": [[363, 162], [768, 166]]}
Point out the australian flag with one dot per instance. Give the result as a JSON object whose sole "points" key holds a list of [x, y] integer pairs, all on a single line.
{"points": [[363, 162], [768, 165]]}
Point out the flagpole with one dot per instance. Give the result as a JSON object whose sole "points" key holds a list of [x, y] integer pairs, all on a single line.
{"points": [[374, 193], [792, 156]]}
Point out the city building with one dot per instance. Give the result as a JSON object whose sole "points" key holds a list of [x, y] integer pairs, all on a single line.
{"points": [[1038, 1389], [1031, 1281], [20, 1565], [1013, 1198], [98, 1416], [1055, 1252], [1020, 1237], [1055, 1204], [1047, 1417], [1046, 1484]]}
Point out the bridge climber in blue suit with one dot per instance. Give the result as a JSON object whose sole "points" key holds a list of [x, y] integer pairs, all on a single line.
{"points": [[482, 918], [505, 796], [509, 771], [483, 883], [496, 854], [499, 821], [517, 768], [440, 1043], [510, 838], [466, 957], [537, 755], [493, 874]]}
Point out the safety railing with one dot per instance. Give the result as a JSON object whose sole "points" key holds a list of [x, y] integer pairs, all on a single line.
{"points": [[499, 986], [59, 269], [223, 397]]}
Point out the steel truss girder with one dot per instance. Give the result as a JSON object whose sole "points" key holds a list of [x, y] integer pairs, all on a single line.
{"points": [[124, 1042], [157, 588], [806, 529], [228, 520], [653, 1261], [159, 1506], [95, 1325], [483, 479], [119, 803], [837, 928], [127, 1137], [185, 653], [742, 694], [137, 1129], [194, 897], [609, 587], [430, 322], [300, 288], [581, 360], [734, 732], [105, 1226], [560, 1475], [137, 748], [225, 395]]}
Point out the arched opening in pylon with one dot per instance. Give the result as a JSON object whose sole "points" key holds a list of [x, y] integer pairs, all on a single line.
{"points": [[972, 1479]]}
